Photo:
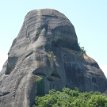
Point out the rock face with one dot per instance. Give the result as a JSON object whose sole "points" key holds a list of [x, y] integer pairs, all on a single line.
{"points": [[46, 55]]}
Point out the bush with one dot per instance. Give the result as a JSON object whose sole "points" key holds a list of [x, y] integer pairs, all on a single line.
{"points": [[97, 101], [71, 98], [83, 51]]}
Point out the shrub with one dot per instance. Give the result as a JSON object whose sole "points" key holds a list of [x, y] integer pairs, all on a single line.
{"points": [[71, 98], [83, 51]]}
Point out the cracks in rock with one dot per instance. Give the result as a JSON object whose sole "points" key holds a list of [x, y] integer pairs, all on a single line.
{"points": [[39, 73], [17, 84], [4, 93], [54, 76], [30, 53], [11, 64], [50, 16]]}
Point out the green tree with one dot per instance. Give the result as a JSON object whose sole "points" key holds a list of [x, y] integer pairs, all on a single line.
{"points": [[71, 98], [97, 101]]}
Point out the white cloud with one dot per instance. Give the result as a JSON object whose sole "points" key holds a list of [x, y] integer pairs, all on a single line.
{"points": [[3, 58], [104, 68]]}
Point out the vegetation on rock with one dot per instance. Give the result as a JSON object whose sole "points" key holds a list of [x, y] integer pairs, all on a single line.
{"points": [[83, 50], [71, 98]]}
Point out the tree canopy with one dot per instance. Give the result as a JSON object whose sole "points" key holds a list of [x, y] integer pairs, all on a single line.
{"points": [[71, 98]]}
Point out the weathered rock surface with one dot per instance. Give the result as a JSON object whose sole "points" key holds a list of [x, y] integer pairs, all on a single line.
{"points": [[46, 55]]}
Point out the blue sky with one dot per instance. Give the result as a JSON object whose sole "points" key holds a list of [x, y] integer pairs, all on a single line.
{"points": [[88, 16]]}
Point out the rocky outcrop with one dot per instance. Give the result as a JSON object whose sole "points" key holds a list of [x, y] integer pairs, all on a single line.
{"points": [[46, 55]]}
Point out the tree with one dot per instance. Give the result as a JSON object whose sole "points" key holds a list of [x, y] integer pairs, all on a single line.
{"points": [[71, 98]]}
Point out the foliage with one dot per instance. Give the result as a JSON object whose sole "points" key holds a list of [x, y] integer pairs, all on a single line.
{"points": [[51, 56], [71, 98], [83, 50]]}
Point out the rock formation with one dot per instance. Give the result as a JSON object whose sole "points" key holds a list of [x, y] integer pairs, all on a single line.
{"points": [[46, 55]]}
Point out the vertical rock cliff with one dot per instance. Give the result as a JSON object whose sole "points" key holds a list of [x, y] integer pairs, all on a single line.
{"points": [[45, 55]]}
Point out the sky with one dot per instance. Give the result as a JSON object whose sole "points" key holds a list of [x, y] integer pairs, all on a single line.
{"points": [[89, 18]]}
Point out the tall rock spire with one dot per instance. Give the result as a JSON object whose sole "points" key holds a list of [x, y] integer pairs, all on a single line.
{"points": [[45, 55]]}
